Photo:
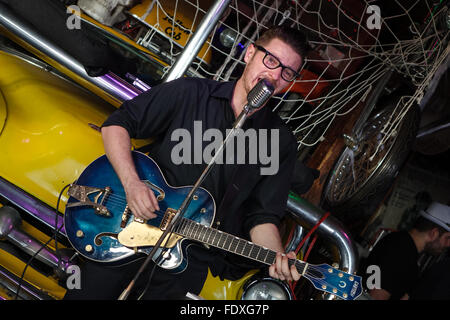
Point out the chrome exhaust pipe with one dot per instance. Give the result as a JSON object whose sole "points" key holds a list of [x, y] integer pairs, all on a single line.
{"points": [[112, 85], [32, 206], [11, 283], [308, 215], [10, 222]]}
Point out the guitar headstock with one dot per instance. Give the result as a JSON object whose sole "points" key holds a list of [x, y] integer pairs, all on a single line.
{"points": [[326, 278]]}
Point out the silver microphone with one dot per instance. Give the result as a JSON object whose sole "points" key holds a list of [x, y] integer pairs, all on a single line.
{"points": [[260, 93]]}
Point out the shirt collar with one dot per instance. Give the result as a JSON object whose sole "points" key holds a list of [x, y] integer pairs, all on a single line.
{"points": [[224, 90]]}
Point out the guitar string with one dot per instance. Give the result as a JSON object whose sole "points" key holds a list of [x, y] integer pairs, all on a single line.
{"points": [[118, 200]]}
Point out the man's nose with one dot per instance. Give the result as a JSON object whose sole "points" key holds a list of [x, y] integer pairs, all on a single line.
{"points": [[275, 74]]}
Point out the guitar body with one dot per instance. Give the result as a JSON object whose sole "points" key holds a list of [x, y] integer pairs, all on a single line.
{"points": [[94, 234]]}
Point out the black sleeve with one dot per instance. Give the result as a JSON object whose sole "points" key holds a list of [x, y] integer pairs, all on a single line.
{"points": [[267, 201], [150, 113], [397, 266]]}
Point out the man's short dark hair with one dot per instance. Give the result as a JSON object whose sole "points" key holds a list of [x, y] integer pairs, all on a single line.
{"points": [[422, 224], [293, 37]]}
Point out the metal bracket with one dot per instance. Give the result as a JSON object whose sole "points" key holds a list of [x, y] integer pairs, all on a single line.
{"points": [[81, 193]]}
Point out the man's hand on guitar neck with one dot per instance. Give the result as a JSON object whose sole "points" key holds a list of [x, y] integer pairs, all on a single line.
{"points": [[281, 270], [267, 235]]}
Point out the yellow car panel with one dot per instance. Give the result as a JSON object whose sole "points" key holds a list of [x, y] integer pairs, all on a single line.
{"points": [[52, 130], [46, 284], [2, 111], [217, 289]]}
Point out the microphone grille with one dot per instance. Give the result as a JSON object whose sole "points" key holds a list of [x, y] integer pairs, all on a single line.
{"points": [[260, 93]]}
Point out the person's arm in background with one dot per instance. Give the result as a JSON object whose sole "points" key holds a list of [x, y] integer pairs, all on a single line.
{"points": [[379, 294]]}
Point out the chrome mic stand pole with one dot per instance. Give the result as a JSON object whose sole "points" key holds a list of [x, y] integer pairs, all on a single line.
{"points": [[256, 98]]}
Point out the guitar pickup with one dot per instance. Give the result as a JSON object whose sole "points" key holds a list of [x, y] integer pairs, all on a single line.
{"points": [[81, 193], [167, 219]]}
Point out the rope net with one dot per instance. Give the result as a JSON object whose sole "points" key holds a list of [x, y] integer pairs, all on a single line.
{"points": [[354, 43]]}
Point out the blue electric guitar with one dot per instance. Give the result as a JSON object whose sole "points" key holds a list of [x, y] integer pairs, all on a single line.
{"points": [[100, 226]]}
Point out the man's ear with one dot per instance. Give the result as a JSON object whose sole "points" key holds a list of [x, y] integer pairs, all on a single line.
{"points": [[433, 234], [249, 53]]}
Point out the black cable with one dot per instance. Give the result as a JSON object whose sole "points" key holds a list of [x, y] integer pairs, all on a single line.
{"points": [[56, 230], [160, 256]]}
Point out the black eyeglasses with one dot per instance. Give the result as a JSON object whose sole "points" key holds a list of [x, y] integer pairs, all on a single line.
{"points": [[272, 62]]}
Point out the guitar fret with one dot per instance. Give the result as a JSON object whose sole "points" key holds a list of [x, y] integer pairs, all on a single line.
{"points": [[253, 253], [190, 230], [213, 241], [184, 227], [204, 233], [237, 246], [247, 248], [183, 224], [242, 244], [235, 239], [177, 227], [212, 236], [261, 253], [219, 241], [301, 266], [227, 242], [197, 231], [271, 257]]}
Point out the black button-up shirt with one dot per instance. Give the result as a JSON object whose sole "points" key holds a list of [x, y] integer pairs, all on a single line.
{"points": [[244, 196]]}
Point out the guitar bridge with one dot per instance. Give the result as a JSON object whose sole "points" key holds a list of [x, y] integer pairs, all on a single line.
{"points": [[168, 217], [81, 193]]}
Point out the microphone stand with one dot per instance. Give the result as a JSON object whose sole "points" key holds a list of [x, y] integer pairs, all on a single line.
{"points": [[180, 212]]}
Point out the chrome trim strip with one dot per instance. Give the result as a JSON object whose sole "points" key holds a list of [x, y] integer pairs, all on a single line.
{"points": [[111, 84], [31, 205]]}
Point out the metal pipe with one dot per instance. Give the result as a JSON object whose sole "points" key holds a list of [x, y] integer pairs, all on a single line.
{"points": [[267, 16], [196, 42], [238, 40], [31, 205], [299, 233], [115, 87], [10, 222], [27, 292], [308, 215]]}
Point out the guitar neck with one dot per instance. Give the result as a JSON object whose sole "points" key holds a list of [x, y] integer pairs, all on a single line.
{"points": [[225, 241]]}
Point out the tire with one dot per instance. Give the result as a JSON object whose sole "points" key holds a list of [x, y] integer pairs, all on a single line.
{"points": [[357, 184]]}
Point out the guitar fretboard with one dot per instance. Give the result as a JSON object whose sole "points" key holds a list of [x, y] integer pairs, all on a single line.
{"points": [[225, 241]]}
